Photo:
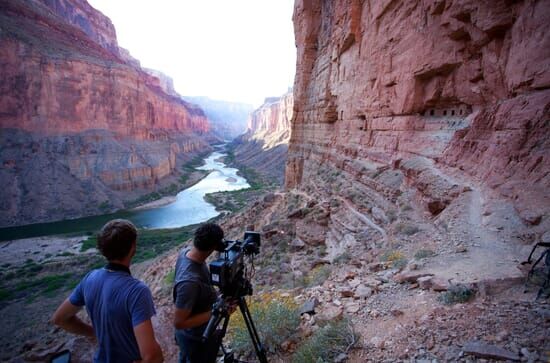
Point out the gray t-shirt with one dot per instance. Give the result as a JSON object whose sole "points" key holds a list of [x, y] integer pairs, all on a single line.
{"points": [[192, 288]]}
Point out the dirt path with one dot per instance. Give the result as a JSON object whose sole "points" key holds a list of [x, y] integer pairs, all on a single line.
{"points": [[364, 218], [481, 255]]}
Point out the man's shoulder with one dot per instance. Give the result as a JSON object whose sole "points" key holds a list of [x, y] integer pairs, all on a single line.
{"points": [[137, 285], [93, 275]]}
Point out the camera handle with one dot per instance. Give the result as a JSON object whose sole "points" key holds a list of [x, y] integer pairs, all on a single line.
{"points": [[219, 313]]}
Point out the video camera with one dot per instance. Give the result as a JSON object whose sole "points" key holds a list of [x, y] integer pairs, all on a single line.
{"points": [[228, 271], [230, 274]]}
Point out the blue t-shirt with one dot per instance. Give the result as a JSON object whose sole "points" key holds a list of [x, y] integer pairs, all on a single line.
{"points": [[116, 302]]}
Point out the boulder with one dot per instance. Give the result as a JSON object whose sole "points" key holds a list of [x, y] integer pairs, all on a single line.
{"points": [[363, 292], [309, 307], [487, 351]]}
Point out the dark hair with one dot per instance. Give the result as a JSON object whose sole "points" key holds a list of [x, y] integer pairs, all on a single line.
{"points": [[207, 237], [116, 238]]}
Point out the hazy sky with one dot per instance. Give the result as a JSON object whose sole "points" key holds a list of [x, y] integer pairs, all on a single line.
{"points": [[239, 50]]}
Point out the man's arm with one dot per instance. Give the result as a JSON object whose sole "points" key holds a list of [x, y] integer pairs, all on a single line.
{"points": [[65, 317], [184, 320], [149, 349]]}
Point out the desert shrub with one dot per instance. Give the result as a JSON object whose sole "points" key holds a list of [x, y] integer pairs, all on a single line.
{"points": [[392, 255], [392, 216], [327, 343], [105, 206], [317, 275], [4, 295], [276, 318], [65, 254], [406, 229], [420, 254], [343, 258], [400, 264], [88, 243], [396, 258], [456, 294], [169, 278]]}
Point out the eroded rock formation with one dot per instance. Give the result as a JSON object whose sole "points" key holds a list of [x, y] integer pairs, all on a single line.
{"points": [[264, 145], [412, 88], [80, 112]]}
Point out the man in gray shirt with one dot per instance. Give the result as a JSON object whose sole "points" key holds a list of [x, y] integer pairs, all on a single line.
{"points": [[194, 296]]}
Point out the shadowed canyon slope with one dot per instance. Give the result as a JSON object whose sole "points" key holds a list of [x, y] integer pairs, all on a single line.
{"points": [[264, 145], [82, 124]]}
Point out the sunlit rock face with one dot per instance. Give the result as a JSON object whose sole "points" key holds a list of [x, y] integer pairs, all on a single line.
{"points": [[264, 145], [80, 102], [416, 87]]}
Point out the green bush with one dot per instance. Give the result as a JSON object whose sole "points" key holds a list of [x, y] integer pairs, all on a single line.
{"points": [[396, 258], [276, 318], [327, 343], [4, 295], [89, 243], [169, 278], [400, 264], [420, 254], [343, 258], [406, 229], [317, 276], [456, 294]]}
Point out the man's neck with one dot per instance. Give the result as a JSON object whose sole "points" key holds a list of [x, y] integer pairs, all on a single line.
{"points": [[197, 256], [123, 262]]}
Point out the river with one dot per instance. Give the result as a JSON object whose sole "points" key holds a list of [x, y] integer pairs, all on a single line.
{"points": [[188, 208]]}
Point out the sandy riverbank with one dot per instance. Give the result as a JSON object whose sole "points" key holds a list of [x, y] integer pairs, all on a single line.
{"points": [[156, 203], [17, 252]]}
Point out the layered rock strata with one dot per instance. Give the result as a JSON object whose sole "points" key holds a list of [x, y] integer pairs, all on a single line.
{"points": [[72, 97], [264, 145], [418, 89]]}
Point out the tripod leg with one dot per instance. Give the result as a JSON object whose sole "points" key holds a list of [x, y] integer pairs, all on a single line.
{"points": [[260, 352], [546, 282]]}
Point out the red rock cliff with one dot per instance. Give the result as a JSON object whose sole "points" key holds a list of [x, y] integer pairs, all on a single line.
{"points": [[412, 85], [63, 74], [264, 146], [58, 78], [271, 121]]}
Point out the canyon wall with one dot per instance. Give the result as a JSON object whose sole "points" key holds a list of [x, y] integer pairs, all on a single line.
{"points": [[79, 110], [228, 119], [433, 96], [264, 145]]}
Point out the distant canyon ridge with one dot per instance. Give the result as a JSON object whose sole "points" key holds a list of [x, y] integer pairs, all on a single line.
{"points": [[264, 146], [84, 129]]}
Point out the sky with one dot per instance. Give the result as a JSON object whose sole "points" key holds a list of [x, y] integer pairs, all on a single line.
{"points": [[239, 50]]}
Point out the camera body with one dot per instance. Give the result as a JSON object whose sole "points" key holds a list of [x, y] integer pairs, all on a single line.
{"points": [[228, 271]]}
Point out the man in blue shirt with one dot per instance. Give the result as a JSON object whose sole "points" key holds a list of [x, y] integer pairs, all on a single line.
{"points": [[119, 306]]}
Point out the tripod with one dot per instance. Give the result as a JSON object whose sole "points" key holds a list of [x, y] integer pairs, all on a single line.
{"points": [[219, 314]]}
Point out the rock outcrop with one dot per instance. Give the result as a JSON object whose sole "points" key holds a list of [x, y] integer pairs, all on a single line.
{"points": [[79, 110], [264, 145], [424, 90]]}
